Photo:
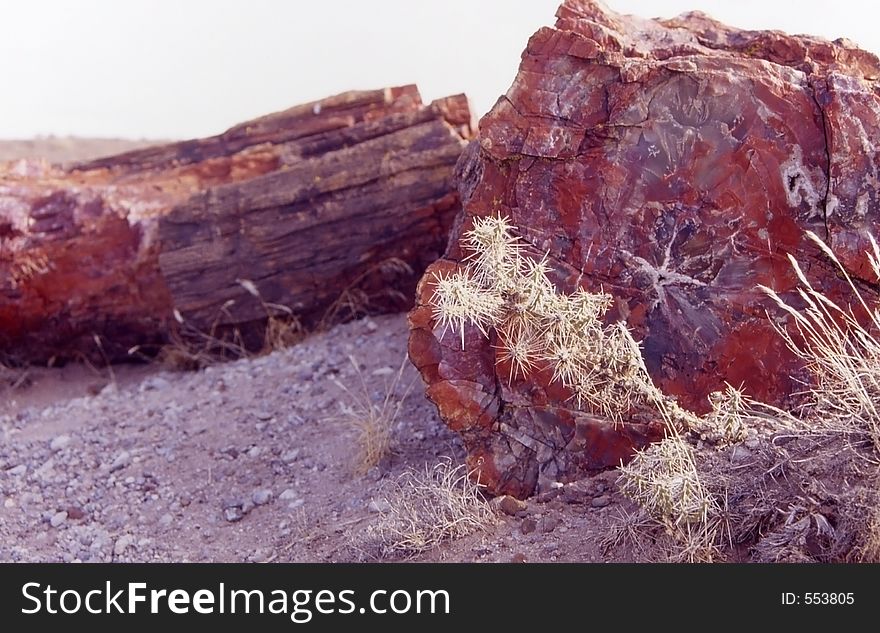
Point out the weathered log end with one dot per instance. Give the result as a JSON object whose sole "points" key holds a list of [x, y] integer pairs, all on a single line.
{"points": [[329, 208]]}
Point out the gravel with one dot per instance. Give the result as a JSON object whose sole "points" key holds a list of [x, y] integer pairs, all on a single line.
{"points": [[206, 465]]}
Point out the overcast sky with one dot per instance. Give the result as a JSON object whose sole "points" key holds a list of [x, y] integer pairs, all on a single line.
{"points": [[185, 68]]}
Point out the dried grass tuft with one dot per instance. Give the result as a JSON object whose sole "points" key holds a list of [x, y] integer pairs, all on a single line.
{"points": [[423, 509], [373, 416], [841, 352]]}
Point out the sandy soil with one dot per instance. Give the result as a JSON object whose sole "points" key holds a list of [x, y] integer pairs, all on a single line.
{"points": [[243, 461]]}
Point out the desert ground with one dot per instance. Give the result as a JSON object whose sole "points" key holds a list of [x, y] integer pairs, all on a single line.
{"points": [[329, 451], [251, 460]]}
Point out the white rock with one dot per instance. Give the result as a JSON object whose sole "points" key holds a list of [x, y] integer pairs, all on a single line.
{"points": [[287, 495], [122, 460], [58, 519], [122, 544], [59, 442]]}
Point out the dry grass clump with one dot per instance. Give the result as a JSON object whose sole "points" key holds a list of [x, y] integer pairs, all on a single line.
{"points": [[868, 550], [503, 289], [373, 418], [355, 301], [805, 489], [191, 348], [422, 509], [842, 353], [283, 327]]}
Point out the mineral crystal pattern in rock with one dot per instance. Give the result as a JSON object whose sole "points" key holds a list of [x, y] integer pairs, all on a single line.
{"points": [[673, 164]]}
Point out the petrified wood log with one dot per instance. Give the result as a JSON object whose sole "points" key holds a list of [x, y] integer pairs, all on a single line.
{"points": [[302, 203], [674, 164]]}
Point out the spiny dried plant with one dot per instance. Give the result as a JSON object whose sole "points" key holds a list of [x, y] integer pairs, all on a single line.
{"points": [[664, 480], [696, 504], [504, 289], [422, 509], [725, 423], [841, 352]]}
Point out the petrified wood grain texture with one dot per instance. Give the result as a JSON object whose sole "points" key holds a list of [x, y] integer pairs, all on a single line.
{"points": [[674, 164], [302, 203]]}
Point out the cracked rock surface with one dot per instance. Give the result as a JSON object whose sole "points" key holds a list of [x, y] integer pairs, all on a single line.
{"points": [[674, 164]]}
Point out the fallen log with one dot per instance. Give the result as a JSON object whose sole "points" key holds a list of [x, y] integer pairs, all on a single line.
{"points": [[350, 193]]}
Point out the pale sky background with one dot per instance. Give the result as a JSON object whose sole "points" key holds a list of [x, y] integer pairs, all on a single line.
{"points": [[187, 68]]}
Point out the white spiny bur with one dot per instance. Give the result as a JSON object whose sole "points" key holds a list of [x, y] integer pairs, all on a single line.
{"points": [[502, 288]]}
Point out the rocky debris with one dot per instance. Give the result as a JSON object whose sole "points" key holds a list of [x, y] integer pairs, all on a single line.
{"points": [[511, 505], [58, 443], [601, 501], [546, 496], [548, 524], [122, 544], [580, 491], [261, 497], [75, 513], [287, 495], [122, 460], [98, 257], [674, 164], [233, 513], [167, 467]]}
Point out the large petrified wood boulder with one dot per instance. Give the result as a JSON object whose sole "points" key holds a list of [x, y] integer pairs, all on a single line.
{"points": [[304, 203], [674, 164]]}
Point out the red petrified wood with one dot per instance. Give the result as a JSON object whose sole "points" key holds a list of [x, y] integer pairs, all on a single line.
{"points": [[302, 203], [673, 164]]}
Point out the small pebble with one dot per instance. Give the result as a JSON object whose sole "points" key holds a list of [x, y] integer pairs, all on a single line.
{"points": [[261, 497], [58, 519], [59, 442], [601, 502]]}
